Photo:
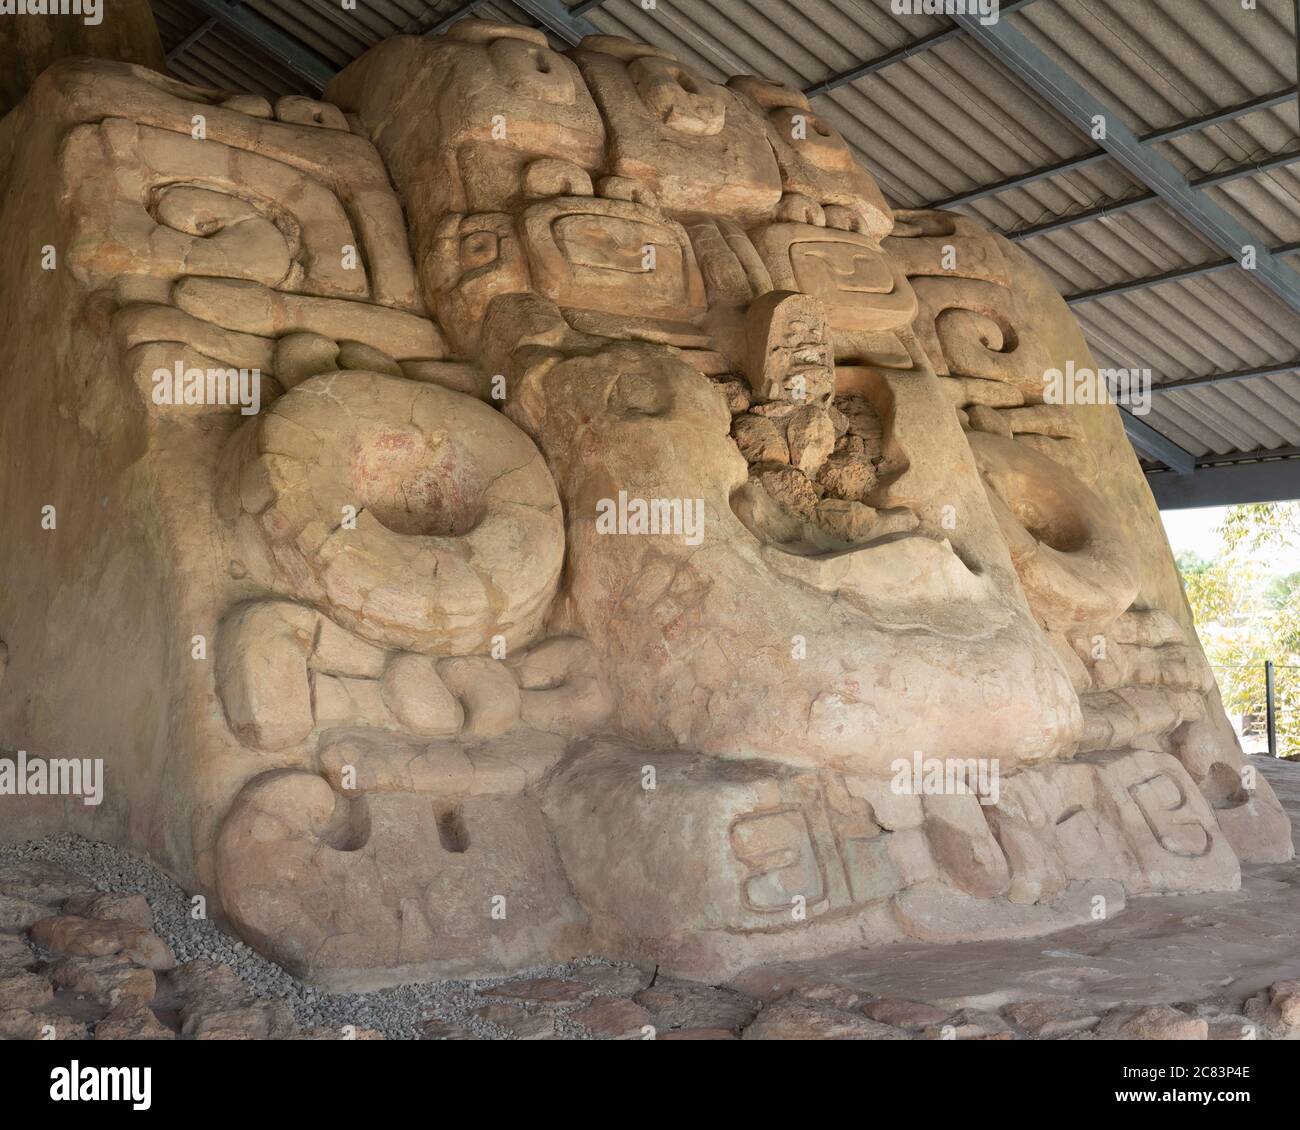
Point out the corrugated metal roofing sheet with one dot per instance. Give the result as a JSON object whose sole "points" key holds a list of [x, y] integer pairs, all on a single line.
{"points": [[950, 119]]}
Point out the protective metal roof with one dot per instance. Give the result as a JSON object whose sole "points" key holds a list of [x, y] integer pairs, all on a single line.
{"points": [[938, 118]]}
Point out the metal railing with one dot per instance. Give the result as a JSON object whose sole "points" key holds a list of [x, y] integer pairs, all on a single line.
{"points": [[1266, 717]]}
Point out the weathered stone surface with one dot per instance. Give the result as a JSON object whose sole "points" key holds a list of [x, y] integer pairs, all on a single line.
{"points": [[132, 1022], [1050, 1019], [614, 980], [38, 881], [520, 1025], [29, 46], [811, 437], [853, 522], [847, 476], [790, 487], [970, 1024], [1157, 1022], [736, 394], [20, 913], [697, 1034], [207, 982], [759, 439], [419, 699], [16, 955], [398, 703], [683, 1004], [261, 1021], [20, 1024], [20, 989], [1275, 1013], [218, 1005], [426, 876], [107, 907], [1285, 997], [1233, 1026], [489, 696], [615, 1020], [912, 1015], [91, 937], [112, 981], [840, 996], [543, 992], [803, 1020]]}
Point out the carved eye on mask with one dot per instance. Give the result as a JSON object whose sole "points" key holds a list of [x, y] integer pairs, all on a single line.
{"points": [[478, 249], [679, 97], [536, 72], [813, 137]]}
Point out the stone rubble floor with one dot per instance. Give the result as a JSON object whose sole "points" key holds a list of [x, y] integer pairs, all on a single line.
{"points": [[97, 944]]}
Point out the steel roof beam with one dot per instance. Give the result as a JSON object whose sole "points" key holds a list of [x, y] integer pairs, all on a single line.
{"points": [[1246, 169], [191, 39], [302, 60], [1237, 458], [1260, 476], [1217, 117], [1157, 445], [1013, 49], [1020, 180], [880, 62], [1070, 219], [554, 11], [1083, 160], [558, 20], [1275, 369], [1128, 286], [459, 14], [1177, 274], [1115, 207]]}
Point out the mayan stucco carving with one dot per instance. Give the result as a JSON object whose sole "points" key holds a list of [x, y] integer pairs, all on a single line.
{"points": [[390, 667]]}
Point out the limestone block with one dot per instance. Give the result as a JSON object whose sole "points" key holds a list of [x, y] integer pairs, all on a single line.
{"points": [[418, 697], [130, 908], [384, 886], [112, 980], [699, 146], [563, 690], [487, 692], [1177, 841], [737, 845], [934, 912], [262, 673], [484, 102], [861, 287], [88, 937], [815, 161], [964, 848]]}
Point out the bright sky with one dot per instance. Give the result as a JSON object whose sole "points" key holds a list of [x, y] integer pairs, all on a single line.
{"points": [[1197, 530]]}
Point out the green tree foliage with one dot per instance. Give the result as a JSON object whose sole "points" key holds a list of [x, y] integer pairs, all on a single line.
{"points": [[1245, 615]]}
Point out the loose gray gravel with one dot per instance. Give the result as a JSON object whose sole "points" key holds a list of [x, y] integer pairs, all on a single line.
{"points": [[400, 1013]]}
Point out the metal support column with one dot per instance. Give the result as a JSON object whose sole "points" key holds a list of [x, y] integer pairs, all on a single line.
{"points": [[1270, 708]]}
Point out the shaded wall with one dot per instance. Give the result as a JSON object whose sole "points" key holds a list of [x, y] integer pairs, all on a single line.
{"points": [[30, 43]]}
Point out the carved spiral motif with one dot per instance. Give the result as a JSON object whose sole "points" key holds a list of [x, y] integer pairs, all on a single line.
{"points": [[416, 516]]}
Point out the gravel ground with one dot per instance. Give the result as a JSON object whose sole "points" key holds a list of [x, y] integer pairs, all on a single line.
{"points": [[400, 1013]]}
